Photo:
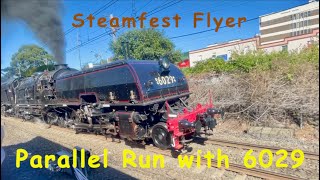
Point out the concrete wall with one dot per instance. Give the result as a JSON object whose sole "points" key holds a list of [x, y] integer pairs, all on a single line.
{"points": [[296, 43], [273, 49], [222, 49]]}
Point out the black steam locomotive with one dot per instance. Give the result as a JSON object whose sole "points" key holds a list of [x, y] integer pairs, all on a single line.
{"points": [[136, 100]]}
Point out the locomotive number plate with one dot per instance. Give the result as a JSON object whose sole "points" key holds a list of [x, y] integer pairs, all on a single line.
{"points": [[163, 80]]}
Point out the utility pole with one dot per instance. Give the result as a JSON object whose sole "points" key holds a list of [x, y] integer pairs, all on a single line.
{"points": [[19, 70], [46, 63], [113, 30], [134, 14], [78, 40]]}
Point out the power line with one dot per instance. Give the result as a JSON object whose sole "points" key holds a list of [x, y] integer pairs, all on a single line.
{"points": [[78, 43], [109, 32], [109, 20], [164, 7], [175, 37], [104, 7], [167, 5], [218, 10], [229, 6], [186, 42], [122, 14], [134, 8], [144, 6], [164, 4], [199, 32]]}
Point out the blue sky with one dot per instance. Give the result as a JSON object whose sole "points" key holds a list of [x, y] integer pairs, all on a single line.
{"points": [[15, 33]]}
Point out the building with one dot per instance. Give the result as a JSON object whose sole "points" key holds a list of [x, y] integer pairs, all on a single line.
{"points": [[291, 30], [223, 50], [294, 43], [296, 21]]}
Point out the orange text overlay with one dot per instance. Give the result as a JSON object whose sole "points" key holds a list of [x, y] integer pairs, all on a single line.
{"points": [[200, 19]]}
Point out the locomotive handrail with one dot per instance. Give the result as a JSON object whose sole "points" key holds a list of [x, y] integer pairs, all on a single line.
{"points": [[93, 69]]}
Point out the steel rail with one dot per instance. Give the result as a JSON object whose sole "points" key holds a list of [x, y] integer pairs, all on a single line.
{"points": [[256, 172], [308, 155], [240, 169], [260, 173]]}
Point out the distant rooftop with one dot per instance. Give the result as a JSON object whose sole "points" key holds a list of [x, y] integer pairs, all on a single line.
{"points": [[310, 1], [224, 42]]}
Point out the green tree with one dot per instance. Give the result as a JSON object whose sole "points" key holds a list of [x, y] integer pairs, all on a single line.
{"points": [[145, 44], [30, 59]]}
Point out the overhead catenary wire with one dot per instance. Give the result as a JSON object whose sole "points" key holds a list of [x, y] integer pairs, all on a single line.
{"points": [[109, 32], [166, 6], [101, 9], [200, 32], [158, 7], [214, 11], [126, 10], [175, 37], [144, 5], [155, 11]]}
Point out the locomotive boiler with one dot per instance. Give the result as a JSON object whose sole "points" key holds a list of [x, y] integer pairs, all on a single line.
{"points": [[138, 100]]}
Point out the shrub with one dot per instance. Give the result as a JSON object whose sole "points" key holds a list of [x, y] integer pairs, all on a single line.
{"points": [[261, 87]]}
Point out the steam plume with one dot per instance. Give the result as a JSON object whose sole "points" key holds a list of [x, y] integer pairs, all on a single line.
{"points": [[43, 18]]}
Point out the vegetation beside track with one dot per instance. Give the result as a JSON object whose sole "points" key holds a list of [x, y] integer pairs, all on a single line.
{"points": [[263, 87]]}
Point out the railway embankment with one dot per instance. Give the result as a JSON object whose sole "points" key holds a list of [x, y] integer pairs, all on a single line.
{"points": [[37, 138], [276, 90]]}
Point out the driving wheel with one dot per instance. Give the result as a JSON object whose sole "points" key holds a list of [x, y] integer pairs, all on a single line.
{"points": [[160, 136]]}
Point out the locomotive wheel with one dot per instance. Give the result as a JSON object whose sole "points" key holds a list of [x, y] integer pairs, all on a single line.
{"points": [[75, 118], [160, 136], [52, 118]]}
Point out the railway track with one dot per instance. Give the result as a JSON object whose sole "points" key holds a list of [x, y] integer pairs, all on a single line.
{"points": [[247, 146], [240, 169]]}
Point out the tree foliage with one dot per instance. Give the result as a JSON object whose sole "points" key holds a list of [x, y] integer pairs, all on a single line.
{"points": [[30, 59], [145, 44]]}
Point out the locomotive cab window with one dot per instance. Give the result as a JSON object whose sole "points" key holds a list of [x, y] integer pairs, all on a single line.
{"points": [[21, 94], [7, 95], [44, 84], [88, 98], [28, 93]]}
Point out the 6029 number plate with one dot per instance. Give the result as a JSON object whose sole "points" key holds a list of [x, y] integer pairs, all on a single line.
{"points": [[163, 80]]}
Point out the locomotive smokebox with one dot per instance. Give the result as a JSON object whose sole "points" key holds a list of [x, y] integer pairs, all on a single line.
{"points": [[60, 66]]}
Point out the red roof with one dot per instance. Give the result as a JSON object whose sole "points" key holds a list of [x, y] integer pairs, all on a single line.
{"points": [[183, 64]]}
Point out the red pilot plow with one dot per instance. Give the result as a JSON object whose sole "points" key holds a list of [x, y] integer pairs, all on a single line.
{"points": [[183, 125]]}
